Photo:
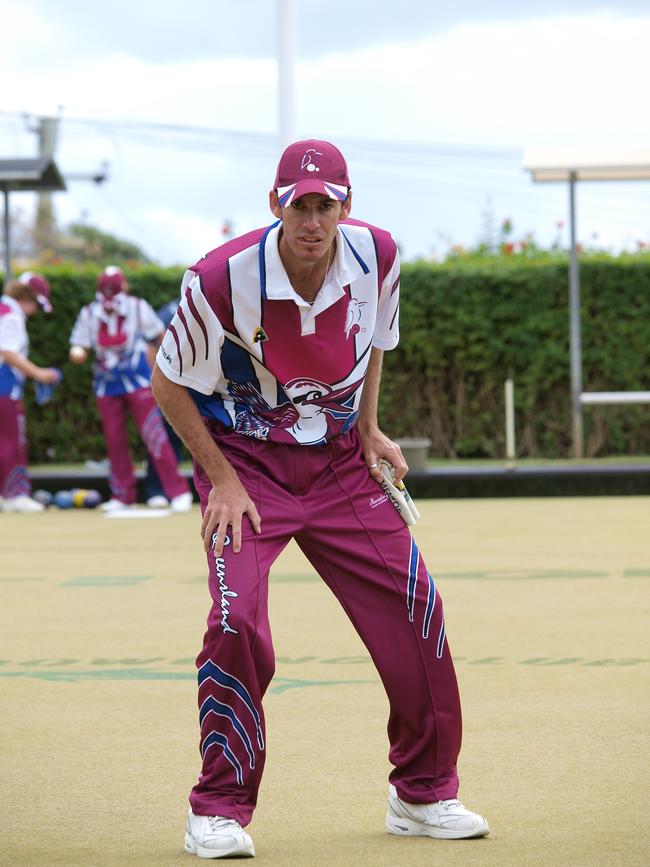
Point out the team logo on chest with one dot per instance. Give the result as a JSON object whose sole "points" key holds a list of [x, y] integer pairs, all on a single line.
{"points": [[353, 317], [259, 335]]}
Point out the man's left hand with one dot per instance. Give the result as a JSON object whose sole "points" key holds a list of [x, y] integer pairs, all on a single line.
{"points": [[377, 447]]}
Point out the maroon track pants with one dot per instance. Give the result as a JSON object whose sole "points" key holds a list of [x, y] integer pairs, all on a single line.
{"points": [[14, 480], [325, 498], [113, 412]]}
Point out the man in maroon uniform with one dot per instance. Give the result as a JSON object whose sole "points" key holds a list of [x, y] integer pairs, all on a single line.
{"points": [[270, 373]]}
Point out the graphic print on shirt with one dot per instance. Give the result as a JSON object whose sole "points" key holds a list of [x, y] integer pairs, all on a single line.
{"points": [[282, 326], [259, 359], [313, 410]]}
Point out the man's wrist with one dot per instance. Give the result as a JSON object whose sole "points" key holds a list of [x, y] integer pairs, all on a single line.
{"points": [[367, 426]]}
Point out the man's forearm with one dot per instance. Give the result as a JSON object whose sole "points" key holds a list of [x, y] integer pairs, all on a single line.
{"points": [[370, 395], [181, 412], [19, 362]]}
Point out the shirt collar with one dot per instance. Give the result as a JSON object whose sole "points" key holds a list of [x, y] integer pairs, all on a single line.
{"points": [[347, 267], [15, 306]]}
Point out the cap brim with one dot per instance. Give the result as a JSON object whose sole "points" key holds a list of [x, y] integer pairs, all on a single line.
{"points": [[337, 192], [44, 303]]}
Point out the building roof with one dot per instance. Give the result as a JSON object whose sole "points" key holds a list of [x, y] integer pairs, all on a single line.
{"points": [[587, 164], [38, 174]]}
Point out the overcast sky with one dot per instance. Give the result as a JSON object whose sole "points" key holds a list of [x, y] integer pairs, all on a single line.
{"points": [[432, 103]]}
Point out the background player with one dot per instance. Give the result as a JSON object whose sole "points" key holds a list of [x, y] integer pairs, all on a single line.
{"points": [[270, 373], [154, 494], [22, 298], [118, 328]]}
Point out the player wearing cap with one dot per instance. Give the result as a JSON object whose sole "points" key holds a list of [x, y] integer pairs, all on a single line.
{"points": [[22, 298], [119, 329], [270, 373]]}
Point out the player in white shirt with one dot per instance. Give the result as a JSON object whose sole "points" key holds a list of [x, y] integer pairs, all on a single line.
{"points": [[22, 298], [119, 329]]}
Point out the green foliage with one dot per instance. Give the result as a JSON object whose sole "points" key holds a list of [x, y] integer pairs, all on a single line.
{"points": [[466, 326], [469, 324]]}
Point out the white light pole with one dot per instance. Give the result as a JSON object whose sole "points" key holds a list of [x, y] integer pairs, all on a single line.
{"points": [[285, 42]]}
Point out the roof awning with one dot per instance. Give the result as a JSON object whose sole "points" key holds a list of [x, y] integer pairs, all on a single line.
{"points": [[587, 164], [30, 175]]}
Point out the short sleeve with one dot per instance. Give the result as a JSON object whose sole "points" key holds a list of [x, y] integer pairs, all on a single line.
{"points": [[12, 333], [190, 353], [80, 335], [386, 334], [151, 325]]}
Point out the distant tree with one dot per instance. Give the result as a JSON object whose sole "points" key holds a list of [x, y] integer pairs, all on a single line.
{"points": [[84, 243]]}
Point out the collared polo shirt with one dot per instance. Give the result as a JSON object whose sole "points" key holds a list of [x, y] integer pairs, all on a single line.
{"points": [[13, 338], [118, 335], [265, 362]]}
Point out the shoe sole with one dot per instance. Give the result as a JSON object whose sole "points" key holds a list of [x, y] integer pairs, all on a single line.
{"points": [[193, 848], [408, 828]]}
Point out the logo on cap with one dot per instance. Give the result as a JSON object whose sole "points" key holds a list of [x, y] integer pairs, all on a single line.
{"points": [[307, 160]]}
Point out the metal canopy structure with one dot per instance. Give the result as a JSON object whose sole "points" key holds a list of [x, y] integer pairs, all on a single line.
{"points": [[572, 165], [36, 175]]}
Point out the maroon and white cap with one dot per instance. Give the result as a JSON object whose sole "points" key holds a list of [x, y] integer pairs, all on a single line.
{"points": [[111, 282], [311, 166], [40, 287]]}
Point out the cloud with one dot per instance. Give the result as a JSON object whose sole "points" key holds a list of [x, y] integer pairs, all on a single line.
{"points": [[555, 81], [570, 80]]}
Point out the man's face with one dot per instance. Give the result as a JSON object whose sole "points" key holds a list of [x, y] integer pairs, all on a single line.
{"points": [[309, 224], [29, 306]]}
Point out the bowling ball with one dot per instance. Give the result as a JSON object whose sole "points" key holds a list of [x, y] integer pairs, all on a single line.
{"points": [[43, 497], [92, 499], [78, 497], [63, 500]]}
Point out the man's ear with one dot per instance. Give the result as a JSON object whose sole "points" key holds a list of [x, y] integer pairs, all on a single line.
{"points": [[274, 205], [346, 207]]}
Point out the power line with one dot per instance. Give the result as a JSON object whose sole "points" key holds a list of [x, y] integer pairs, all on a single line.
{"points": [[170, 134]]}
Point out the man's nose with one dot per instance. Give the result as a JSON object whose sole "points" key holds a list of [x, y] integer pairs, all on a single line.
{"points": [[312, 219]]}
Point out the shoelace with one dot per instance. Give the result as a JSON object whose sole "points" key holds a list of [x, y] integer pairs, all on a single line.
{"points": [[218, 822], [450, 804]]}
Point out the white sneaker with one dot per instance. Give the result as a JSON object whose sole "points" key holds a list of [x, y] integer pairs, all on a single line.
{"points": [[182, 503], [216, 837], [445, 819], [114, 505], [23, 503], [158, 502]]}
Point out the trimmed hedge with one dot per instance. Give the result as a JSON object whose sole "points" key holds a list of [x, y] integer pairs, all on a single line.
{"points": [[465, 327]]}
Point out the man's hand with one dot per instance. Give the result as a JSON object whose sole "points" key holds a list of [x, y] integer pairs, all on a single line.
{"points": [[227, 504], [228, 501], [48, 375], [376, 447]]}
